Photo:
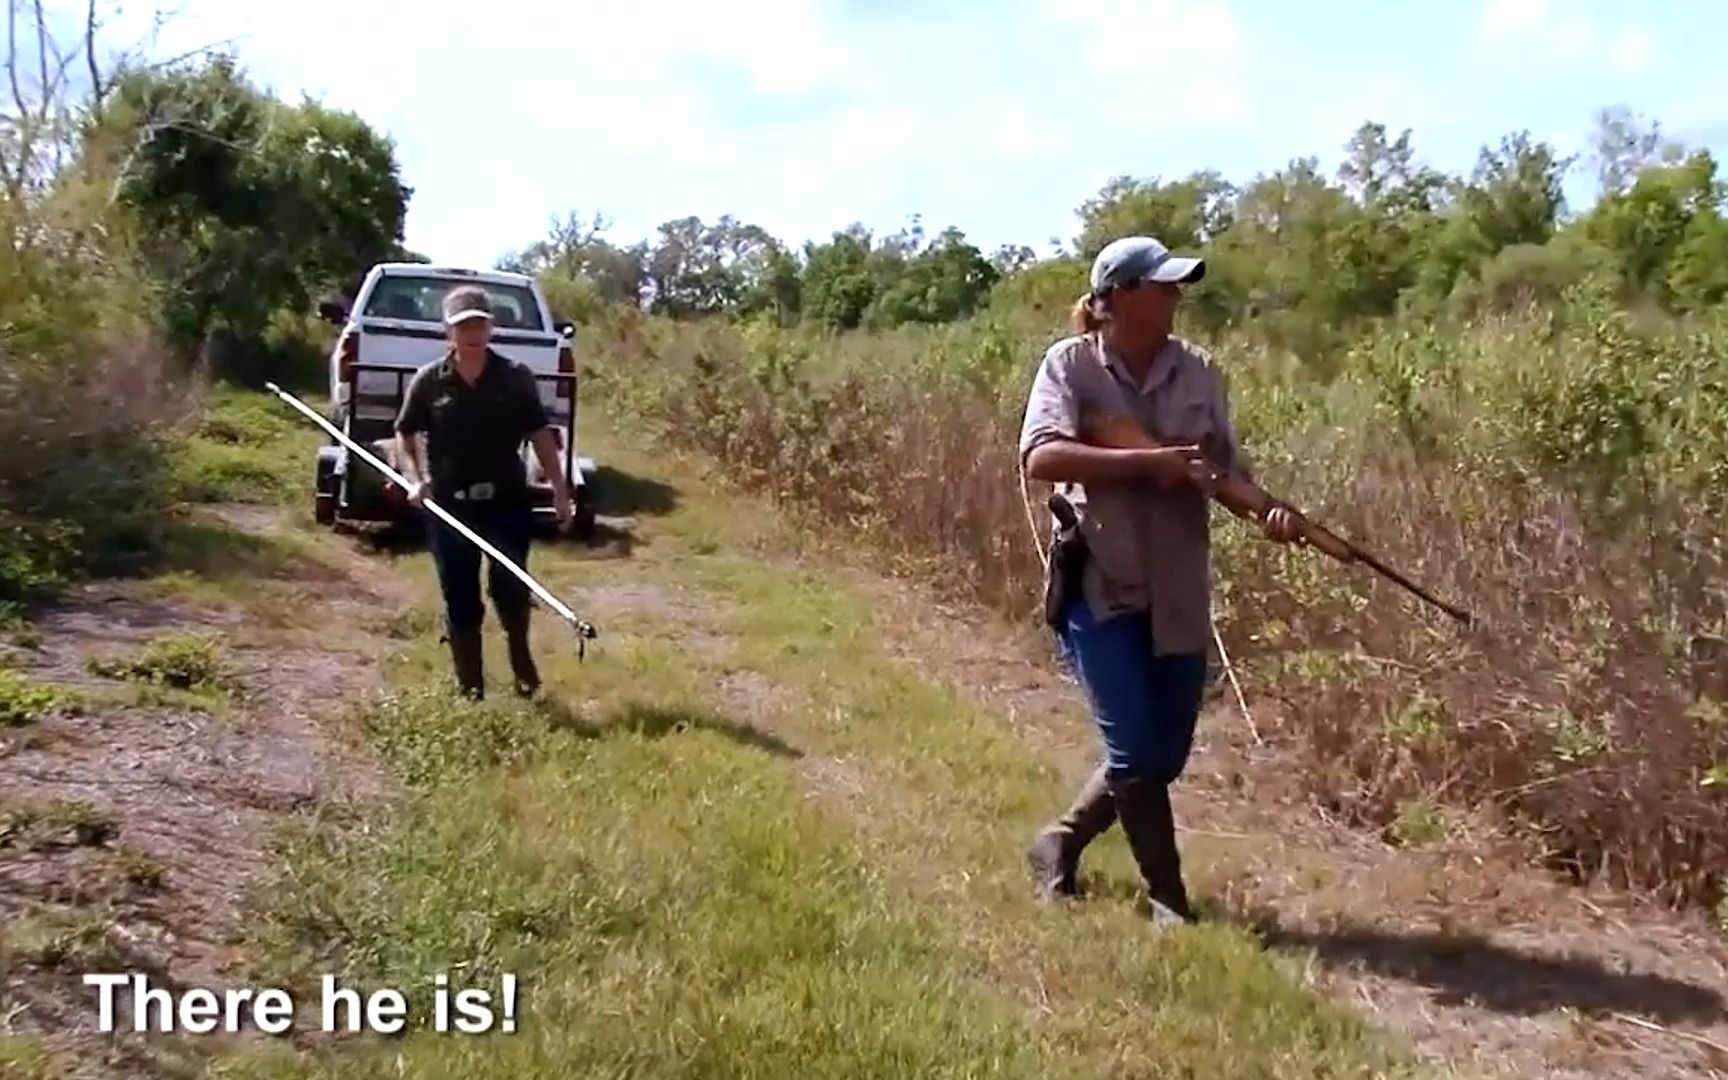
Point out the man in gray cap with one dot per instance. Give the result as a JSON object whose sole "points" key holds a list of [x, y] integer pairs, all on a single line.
{"points": [[475, 407], [1135, 625]]}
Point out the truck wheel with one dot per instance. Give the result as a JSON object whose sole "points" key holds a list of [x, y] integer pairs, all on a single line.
{"points": [[323, 492], [582, 524]]}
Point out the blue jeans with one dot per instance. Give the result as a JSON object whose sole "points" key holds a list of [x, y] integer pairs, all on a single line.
{"points": [[507, 528], [1145, 706]]}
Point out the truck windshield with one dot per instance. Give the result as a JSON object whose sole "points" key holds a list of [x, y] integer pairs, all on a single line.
{"points": [[419, 298]]}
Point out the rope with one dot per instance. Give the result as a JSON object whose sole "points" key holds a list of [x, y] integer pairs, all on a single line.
{"points": [[1032, 522]]}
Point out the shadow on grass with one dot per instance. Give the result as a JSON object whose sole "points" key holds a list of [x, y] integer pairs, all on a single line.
{"points": [[623, 494], [404, 538], [217, 551], [610, 539], [1469, 969], [658, 721]]}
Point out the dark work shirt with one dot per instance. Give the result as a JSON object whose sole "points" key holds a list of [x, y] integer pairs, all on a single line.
{"points": [[474, 434]]}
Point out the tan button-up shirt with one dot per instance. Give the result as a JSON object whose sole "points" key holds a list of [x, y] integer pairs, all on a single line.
{"points": [[1150, 548]]}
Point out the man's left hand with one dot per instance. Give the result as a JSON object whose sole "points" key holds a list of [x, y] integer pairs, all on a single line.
{"points": [[1280, 525], [561, 505]]}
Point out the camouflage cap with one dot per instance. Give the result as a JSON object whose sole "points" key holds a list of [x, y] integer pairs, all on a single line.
{"points": [[466, 302]]}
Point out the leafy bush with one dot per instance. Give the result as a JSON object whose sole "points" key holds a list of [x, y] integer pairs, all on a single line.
{"points": [[178, 661], [87, 401], [24, 702]]}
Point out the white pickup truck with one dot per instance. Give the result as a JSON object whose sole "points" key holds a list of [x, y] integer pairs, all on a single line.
{"points": [[392, 329]]}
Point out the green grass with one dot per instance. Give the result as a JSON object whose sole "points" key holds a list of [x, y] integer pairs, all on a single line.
{"points": [[822, 881], [24, 1058], [57, 823], [248, 447], [177, 661], [24, 701], [59, 939]]}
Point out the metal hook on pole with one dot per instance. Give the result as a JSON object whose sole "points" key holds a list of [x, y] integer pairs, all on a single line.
{"points": [[585, 631]]}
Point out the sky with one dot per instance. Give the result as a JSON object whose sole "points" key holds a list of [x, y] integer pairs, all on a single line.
{"points": [[998, 117]]}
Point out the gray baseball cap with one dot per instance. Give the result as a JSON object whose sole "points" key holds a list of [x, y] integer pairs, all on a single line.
{"points": [[466, 302], [1135, 259]]}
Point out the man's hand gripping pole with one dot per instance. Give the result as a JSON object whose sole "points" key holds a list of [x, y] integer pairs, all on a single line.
{"points": [[584, 630]]}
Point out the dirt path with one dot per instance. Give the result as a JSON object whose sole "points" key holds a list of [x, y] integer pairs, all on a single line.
{"points": [[140, 818], [1459, 948]]}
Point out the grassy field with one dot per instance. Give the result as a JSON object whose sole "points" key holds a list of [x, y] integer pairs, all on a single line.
{"points": [[748, 838], [772, 826], [1557, 471]]}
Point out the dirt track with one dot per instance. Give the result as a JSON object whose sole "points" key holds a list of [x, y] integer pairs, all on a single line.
{"points": [[188, 798]]}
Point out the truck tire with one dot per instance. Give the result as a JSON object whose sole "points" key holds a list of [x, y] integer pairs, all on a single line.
{"points": [[583, 521], [324, 491]]}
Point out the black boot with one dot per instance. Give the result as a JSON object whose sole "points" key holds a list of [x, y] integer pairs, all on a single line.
{"points": [[521, 657], [1055, 852], [467, 657], [1143, 807]]}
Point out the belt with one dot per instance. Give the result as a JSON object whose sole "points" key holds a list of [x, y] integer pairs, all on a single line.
{"points": [[475, 492]]}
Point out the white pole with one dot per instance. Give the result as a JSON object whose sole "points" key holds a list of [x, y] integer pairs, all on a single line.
{"points": [[583, 629], [1230, 670]]}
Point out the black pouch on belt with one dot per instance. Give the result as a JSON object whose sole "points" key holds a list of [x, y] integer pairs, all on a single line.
{"points": [[1067, 561]]}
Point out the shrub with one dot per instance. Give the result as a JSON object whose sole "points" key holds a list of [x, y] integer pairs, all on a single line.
{"points": [[87, 399]]}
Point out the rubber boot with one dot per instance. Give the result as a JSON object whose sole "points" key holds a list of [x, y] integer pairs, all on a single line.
{"points": [[1055, 852], [468, 658], [522, 666], [1143, 807]]}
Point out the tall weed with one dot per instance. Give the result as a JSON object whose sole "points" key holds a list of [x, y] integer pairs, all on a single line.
{"points": [[87, 398]]}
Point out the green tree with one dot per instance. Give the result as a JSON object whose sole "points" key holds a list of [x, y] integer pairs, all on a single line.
{"points": [[1698, 270], [1012, 258], [1044, 290], [1182, 214], [1667, 222], [947, 280], [575, 250], [1622, 144], [1515, 195], [775, 283], [838, 284], [700, 269], [249, 206]]}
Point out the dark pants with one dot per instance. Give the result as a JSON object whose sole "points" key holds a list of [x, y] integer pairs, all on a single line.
{"points": [[509, 528], [1145, 706]]}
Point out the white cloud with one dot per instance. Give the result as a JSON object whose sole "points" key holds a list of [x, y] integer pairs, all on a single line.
{"points": [[1014, 134], [1529, 32], [1505, 20], [788, 47], [1633, 51], [1171, 62], [804, 115]]}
